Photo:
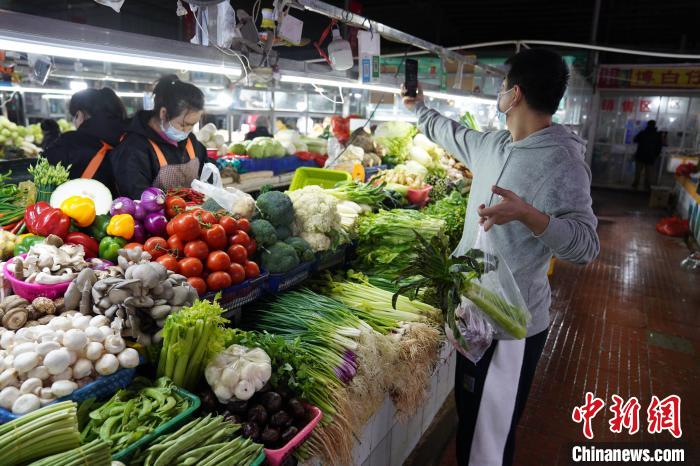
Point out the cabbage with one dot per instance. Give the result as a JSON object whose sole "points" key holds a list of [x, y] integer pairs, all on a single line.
{"points": [[397, 138], [264, 147]]}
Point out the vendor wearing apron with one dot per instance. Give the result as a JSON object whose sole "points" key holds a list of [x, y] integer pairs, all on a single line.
{"points": [[99, 117], [158, 148]]}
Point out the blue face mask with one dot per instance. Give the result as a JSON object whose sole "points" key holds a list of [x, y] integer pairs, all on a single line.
{"points": [[173, 133], [502, 114]]}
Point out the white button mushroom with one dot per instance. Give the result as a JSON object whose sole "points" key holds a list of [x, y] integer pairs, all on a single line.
{"points": [[106, 331], [129, 358], [39, 372], [107, 364], [60, 323], [57, 361], [73, 356], [8, 395], [82, 368], [46, 347], [75, 339], [7, 340], [25, 404], [94, 334], [65, 375], [81, 322], [24, 348], [26, 361], [26, 333], [46, 393], [114, 344], [94, 351], [32, 385], [62, 388], [99, 321]]}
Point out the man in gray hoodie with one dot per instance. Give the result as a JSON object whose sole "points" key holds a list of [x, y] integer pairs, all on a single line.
{"points": [[531, 193]]}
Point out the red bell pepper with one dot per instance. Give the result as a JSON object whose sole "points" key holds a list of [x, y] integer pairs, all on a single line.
{"points": [[44, 220], [89, 244]]}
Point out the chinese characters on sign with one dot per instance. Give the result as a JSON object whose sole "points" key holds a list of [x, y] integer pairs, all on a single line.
{"points": [[662, 415], [660, 77]]}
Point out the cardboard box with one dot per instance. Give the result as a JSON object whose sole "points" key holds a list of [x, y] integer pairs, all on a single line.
{"points": [[659, 197]]}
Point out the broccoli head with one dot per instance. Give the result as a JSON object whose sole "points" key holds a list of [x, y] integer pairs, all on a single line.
{"points": [[263, 232], [283, 232], [276, 207], [302, 247], [279, 258]]}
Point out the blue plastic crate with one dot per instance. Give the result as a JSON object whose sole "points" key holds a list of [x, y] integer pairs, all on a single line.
{"points": [[248, 164], [102, 388], [236, 296], [330, 259], [371, 171], [278, 282]]}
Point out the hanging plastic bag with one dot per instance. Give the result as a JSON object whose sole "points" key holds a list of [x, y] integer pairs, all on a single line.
{"points": [[470, 332], [231, 199], [495, 291]]}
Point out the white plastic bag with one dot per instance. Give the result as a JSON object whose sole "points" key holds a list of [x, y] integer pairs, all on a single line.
{"points": [[231, 199], [496, 290], [471, 333]]}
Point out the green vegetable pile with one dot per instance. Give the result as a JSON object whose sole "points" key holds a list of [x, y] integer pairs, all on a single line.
{"points": [[397, 138], [264, 147], [95, 453], [452, 210], [14, 199], [361, 193], [45, 174], [208, 441], [190, 338], [387, 239], [46, 431], [134, 412]]}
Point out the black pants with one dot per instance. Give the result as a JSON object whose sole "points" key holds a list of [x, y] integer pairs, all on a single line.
{"points": [[491, 397], [648, 168]]}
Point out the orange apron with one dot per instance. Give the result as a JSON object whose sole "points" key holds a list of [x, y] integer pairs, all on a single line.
{"points": [[96, 161], [175, 176]]}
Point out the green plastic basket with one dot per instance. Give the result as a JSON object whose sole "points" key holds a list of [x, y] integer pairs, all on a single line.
{"points": [[164, 428], [322, 177]]}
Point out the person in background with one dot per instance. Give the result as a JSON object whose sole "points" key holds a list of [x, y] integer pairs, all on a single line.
{"points": [[99, 118], [531, 193], [159, 148], [649, 143], [262, 124], [51, 131]]}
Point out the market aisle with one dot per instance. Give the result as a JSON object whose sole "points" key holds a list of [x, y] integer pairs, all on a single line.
{"points": [[627, 324]]}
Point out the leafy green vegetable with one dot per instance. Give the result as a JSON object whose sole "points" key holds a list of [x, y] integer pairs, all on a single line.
{"points": [[190, 338], [469, 121], [302, 247], [46, 174], [396, 137], [265, 147], [452, 210], [263, 232], [361, 193]]}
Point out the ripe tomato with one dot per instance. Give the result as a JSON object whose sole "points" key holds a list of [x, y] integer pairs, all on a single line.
{"points": [[176, 245], [204, 216], [229, 223], [218, 280], [251, 270], [198, 249], [252, 247], [244, 224], [215, 237], [191, 267], [240, 238], [169, 228], [169, 262], [186, 227], [237, 273], [133, 245], [156, 246], [218, 261], [238, 254], [198, 284], [174, 205]]}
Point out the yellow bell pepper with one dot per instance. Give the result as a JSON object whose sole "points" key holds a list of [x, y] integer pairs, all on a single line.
{"points": [[81, 209], [121, 225]]}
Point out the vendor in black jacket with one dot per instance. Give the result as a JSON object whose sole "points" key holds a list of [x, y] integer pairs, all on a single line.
{"points": [[159, 149], [99, 117]]}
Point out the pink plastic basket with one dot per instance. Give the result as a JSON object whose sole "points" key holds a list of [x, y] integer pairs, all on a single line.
{"points": [[276, 457], [419, 197], [29, 291]]}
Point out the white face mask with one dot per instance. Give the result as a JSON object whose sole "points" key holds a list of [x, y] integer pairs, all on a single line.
{"points": [[173, 133], [502, 113]]}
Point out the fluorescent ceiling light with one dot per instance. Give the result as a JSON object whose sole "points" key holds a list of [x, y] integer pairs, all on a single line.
{"points": [[224, 99], [48, 91], [76, 86], [287, 78], [115, 57]]}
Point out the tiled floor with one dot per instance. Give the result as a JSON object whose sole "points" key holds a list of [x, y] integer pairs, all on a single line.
{"points": [[627, 324]]}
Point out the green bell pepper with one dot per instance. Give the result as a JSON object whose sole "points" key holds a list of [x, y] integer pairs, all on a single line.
{"points": [[22, 246], [98, 229], [110, 246]]}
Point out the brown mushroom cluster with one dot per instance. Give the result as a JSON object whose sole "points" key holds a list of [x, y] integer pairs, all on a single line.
{"points": [[17, 312]]}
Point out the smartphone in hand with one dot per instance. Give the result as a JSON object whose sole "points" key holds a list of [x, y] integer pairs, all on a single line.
{"points": [[411, 77]]}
